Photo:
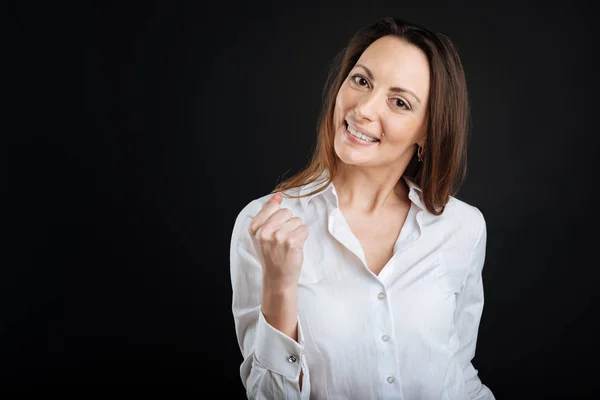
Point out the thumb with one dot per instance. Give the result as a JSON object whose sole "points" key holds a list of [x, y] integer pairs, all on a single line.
{"points": [[276, 198]]}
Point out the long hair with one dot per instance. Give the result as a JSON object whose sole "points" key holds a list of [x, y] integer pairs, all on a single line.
{"points": [[444, 164]]}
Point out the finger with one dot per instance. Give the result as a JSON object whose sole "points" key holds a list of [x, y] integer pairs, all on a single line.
{"points": [[269, 208], [298, 236], [274, 222], [287, 227], [276, 198]]}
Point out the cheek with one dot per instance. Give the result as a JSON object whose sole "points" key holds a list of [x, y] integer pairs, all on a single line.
{"points": [[402, 129], [338, 111], [339, 99]]}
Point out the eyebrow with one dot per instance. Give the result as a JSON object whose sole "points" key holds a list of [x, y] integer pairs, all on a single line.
{"points": [[393, 89]]}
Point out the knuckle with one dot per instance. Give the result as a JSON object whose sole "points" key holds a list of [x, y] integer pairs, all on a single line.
{"points": [[304, 231], [262, 234], [252, 228], [279, 237]]}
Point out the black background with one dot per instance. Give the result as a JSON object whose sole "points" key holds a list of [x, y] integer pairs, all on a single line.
{"points": [[181, 113]]}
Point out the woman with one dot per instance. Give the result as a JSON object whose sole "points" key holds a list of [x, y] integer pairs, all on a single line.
{"points": [[360, 278]]}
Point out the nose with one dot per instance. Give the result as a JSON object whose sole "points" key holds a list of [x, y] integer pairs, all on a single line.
{"points": [[366, 106]]}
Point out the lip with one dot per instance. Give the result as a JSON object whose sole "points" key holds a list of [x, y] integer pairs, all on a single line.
{"points": [[361, 130], [354, 140]]}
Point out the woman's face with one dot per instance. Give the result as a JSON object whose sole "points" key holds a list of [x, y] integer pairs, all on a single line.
{"points": [[384, 97]]}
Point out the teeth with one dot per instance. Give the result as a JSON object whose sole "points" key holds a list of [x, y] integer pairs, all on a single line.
{"points": [[360, 135]]}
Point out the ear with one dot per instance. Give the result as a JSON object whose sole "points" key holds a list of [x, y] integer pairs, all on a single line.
{"points": [[424, 131]]}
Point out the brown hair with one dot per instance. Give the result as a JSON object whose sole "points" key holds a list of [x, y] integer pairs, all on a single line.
{"points": [[444, 164]]}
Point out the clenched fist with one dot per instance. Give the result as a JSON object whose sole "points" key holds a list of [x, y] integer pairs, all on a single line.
{"points": [[278, 238]]}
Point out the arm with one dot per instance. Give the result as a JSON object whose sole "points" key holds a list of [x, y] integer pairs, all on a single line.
{"points": [[469, 308], [266, 322]]}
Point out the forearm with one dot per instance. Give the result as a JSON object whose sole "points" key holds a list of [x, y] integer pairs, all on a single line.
{"points": [[273, 360], [279, 306]]}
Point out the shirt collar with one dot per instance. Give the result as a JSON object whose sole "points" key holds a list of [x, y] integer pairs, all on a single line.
{"points": [[415, 193], [314, 185]]}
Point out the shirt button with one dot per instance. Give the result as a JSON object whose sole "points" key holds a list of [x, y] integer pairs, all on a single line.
{"points": [[390, 379], [381, 295], [292, 359], [385, 338]]}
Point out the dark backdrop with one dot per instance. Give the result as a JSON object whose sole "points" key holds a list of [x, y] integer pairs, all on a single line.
{"points": [[121, 279]]}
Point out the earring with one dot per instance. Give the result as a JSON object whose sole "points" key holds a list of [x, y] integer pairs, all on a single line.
{"points": [[420, 151]]}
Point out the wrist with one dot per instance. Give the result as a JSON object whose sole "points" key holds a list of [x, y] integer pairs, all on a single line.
{"points": [[279, 306], [279, 287], [279, 296], [279, 299]]}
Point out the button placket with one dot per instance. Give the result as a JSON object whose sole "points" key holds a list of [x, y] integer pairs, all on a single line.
{"points": [[383, 335]]}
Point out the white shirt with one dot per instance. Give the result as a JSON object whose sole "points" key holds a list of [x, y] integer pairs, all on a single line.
{"points": [[408, 333]]}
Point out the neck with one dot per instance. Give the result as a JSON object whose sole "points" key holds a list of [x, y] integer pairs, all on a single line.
{"points": [[369, 191]]}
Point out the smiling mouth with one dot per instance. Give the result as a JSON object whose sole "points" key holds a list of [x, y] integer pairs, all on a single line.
{"points": [[359, 135]]}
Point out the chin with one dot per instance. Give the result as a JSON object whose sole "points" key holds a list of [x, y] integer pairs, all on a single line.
{"points": [[349, 155]]}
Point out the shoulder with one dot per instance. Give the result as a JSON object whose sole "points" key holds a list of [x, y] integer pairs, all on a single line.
{"points": [[253, 207], [460, 210], [466, 222]]}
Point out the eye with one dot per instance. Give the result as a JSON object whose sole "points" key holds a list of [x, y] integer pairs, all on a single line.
{"points": [[359, 80], [398, 102]]}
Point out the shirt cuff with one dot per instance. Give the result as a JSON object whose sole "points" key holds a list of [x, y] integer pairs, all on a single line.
{"points": [[278, 352]]}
